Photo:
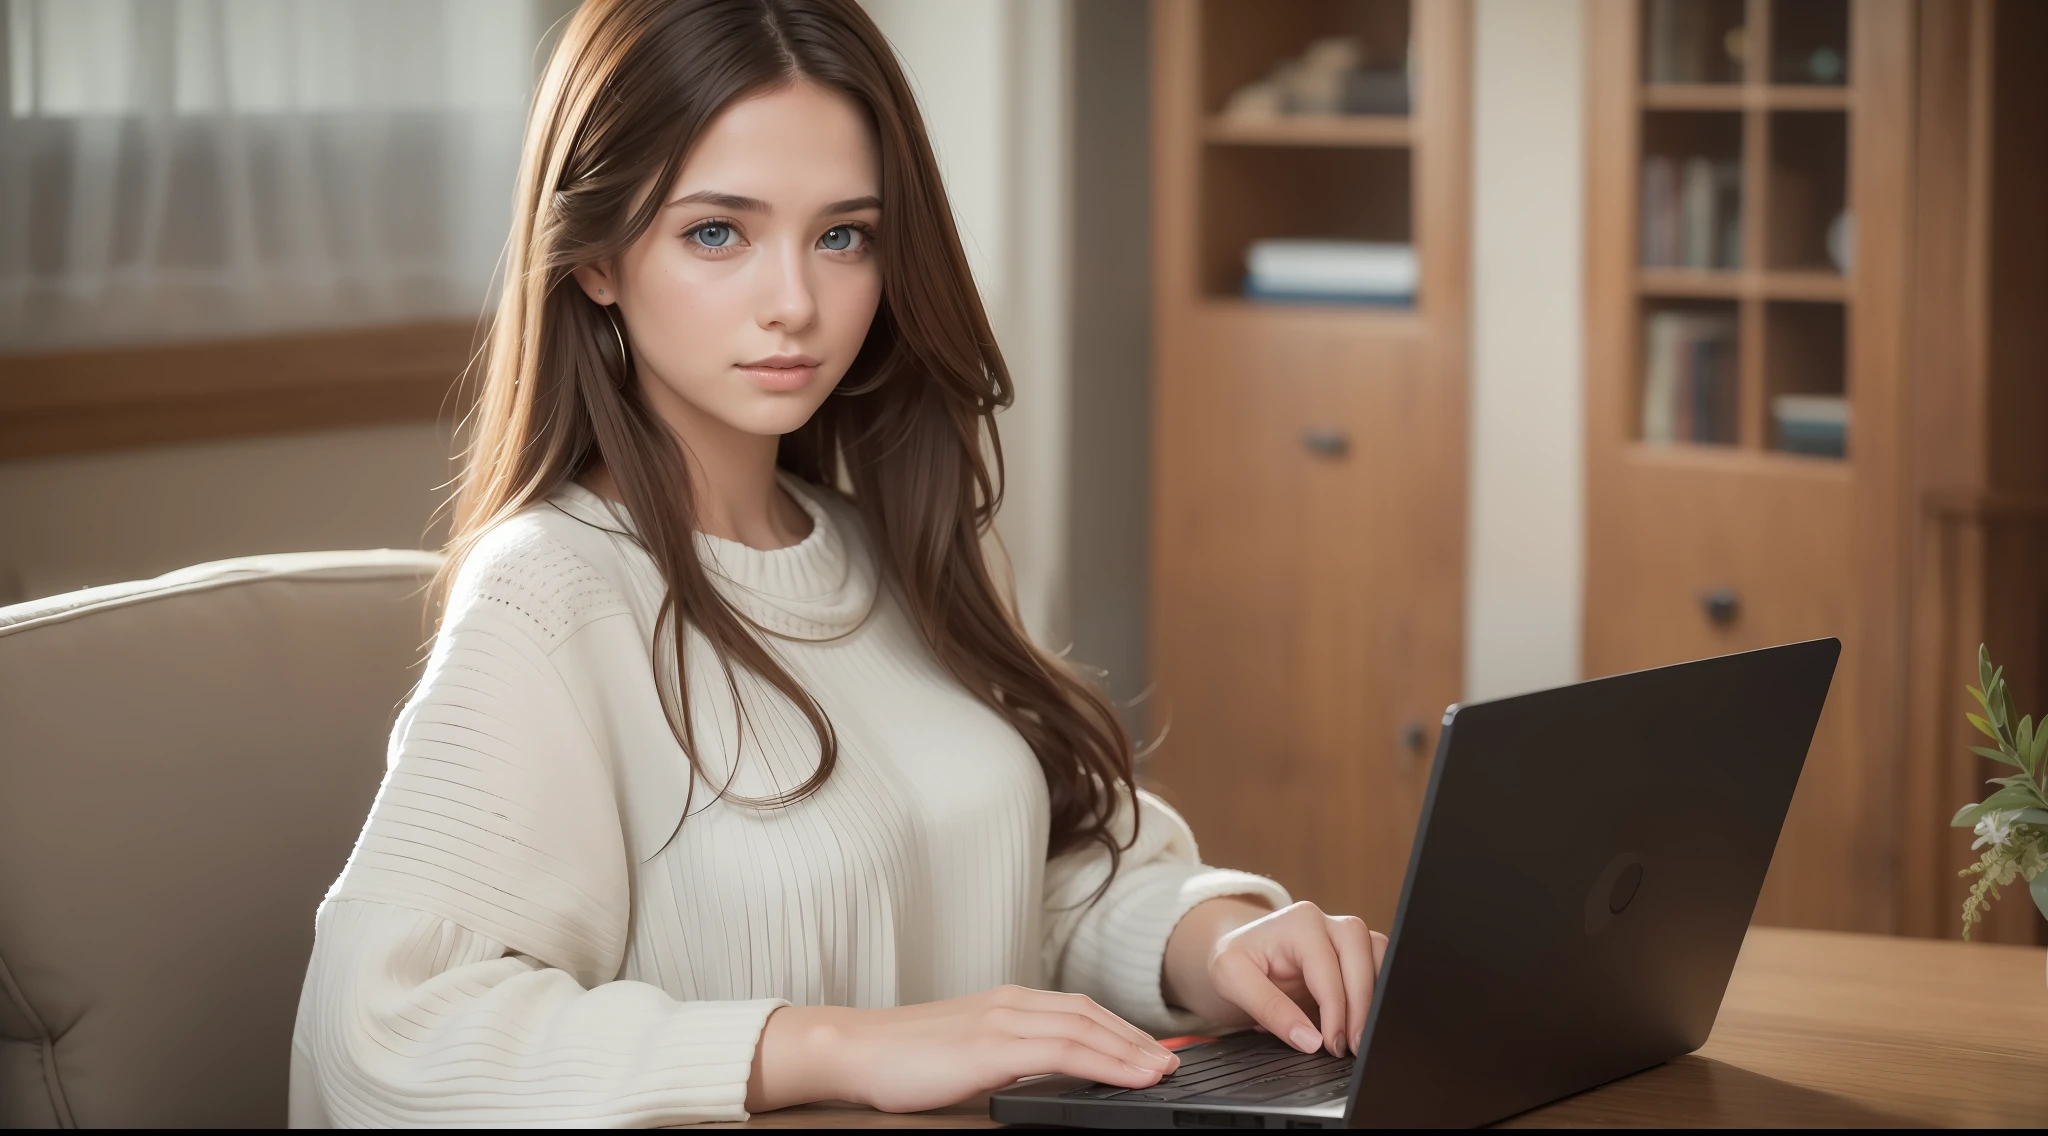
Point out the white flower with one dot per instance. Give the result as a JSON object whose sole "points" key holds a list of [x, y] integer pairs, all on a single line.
{"points": [[1994, 828]]}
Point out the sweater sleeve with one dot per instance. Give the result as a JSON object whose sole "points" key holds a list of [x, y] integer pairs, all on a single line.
{"points": [[465, 964], [1112, 949]]}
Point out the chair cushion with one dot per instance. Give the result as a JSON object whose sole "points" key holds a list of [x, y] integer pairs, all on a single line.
{"points": [[185, 763]]}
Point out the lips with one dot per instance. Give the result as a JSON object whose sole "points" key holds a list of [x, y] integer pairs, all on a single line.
{"points": [[781, 372]]}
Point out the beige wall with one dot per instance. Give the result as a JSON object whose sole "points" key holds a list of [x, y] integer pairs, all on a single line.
{"points": [[72, 522], [1109, 412], [1527, 529], [991, 78]]}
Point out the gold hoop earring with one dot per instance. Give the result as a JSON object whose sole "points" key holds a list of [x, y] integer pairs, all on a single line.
{"points": [[625, 360]]}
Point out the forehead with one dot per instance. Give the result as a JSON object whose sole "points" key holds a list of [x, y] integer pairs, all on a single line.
{"points": [[795, 144]]}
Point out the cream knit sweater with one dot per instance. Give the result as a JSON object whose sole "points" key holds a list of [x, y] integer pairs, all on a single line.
{"points": [[531, 930]]}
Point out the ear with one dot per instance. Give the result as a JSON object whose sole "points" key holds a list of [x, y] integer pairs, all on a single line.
{"points": [[598, 283]]}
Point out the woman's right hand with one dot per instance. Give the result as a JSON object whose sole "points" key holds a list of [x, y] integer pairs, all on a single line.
{"points": [[936, 1053]]}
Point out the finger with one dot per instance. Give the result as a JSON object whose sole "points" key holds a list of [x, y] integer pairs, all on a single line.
{"points": [[1053, 1002], [1241, 982], [1379, 952], [1323, 974], [1355, 955], [1087, 1031], [1030, 1056]]}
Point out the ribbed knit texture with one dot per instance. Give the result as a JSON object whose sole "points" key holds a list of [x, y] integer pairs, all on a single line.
{"points": [[531, 930]]}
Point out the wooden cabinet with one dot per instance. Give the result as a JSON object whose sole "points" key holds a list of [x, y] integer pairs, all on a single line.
{"points": [[1765, 426], [1708, 532], [1309, 459]]}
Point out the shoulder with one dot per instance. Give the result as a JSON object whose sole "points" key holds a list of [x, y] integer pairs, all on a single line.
{"points": [[529, 570]]}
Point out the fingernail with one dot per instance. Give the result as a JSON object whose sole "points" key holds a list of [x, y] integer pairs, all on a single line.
{"points": [[1306, 1039]]}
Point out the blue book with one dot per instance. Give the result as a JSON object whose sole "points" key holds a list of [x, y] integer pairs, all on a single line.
{"points": [[1253, 291]]}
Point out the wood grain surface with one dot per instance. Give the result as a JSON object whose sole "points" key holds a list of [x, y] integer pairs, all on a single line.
{"points": [[1818, 1029], [116, 397]]}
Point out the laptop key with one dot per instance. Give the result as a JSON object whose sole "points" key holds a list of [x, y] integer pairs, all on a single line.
{"points": [[1274, 1083], [1202, 1056], [1233, 1061], [1240, 1074]]}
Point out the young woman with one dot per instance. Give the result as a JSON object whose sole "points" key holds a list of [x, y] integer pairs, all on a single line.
{"points": [[732, 782]]}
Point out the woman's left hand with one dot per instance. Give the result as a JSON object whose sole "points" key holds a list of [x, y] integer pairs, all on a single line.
{"points": [[1232, 961]]}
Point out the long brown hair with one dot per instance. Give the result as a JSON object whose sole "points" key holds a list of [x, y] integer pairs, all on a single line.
{"points": [[630, 87]]}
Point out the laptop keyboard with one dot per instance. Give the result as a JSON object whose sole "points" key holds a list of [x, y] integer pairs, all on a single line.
{"points": [[1245, 1068]]}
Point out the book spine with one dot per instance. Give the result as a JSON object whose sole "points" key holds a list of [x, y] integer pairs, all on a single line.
{"points": [[1659, 378], [1729, 200], [1662, 35], [1657, 205], [1698, 207]]}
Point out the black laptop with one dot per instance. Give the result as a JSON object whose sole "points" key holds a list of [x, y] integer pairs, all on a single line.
{"points": [[1585, 868]]}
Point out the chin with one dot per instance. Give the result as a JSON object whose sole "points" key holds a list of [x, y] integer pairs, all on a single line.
{"points": [[775, 415]]}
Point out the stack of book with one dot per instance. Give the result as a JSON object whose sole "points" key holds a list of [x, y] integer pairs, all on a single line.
{"points": [[1327, 272], [1692, 213], [1689, 368], [1816, 424]]}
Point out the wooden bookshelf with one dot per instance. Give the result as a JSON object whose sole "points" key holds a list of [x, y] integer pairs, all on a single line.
{"points": [[1920, 121], [1308, 459], [1710, 284], [1313, 130], [1674, 520], [1743, 96]]}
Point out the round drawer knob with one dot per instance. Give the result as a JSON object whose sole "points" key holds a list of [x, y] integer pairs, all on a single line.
{"points": [[1722, 605], [1414, 736], [1324, 442]]}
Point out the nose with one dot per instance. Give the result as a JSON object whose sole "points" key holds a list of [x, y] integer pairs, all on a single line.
{"points": [[787, 301]]}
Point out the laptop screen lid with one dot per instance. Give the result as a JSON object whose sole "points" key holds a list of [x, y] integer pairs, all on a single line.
{"points": [[1585, 869]]}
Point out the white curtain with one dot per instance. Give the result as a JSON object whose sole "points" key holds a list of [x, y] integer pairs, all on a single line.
{"points": [[183, 169]]}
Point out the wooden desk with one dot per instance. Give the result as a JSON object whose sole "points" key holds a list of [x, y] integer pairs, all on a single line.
{"points": [[1818, 1029]]}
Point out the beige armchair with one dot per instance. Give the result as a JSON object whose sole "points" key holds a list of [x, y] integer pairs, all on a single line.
{"points": [[184, 765]]}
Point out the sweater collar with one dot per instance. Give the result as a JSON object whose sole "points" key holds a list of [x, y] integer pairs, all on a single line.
{"points": [[821, 587]]}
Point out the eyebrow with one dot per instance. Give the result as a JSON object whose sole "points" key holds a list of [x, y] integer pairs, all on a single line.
{"points": [[741, 204], [853, 205]]}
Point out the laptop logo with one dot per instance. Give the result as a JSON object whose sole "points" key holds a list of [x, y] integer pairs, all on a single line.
{"points": [[1613, 891]]}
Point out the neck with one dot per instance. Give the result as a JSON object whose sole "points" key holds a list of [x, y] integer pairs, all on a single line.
{"points": [[732, 476]]}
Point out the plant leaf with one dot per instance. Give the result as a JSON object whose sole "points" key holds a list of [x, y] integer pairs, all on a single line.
{"points": [[1998, 755], [2032, 816], [1966, 817], [2021, 796], [2023, 738], [2038, 888], [1984, 728], [1984, 665]]}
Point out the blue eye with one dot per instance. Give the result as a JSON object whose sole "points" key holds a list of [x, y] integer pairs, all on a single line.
{"points": [[713, 235], [841, 238]]}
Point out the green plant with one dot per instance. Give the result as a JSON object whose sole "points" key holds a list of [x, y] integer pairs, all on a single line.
{"points": [[2012, 823]]}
